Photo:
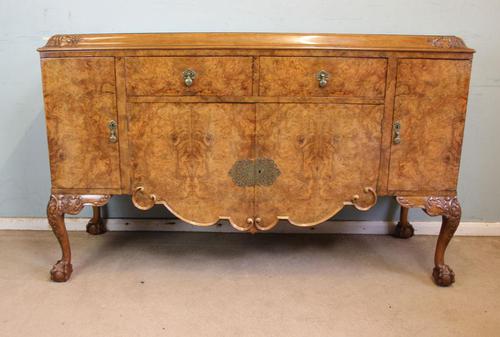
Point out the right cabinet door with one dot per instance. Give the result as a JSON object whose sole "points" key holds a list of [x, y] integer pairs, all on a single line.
{"points": [[326, 155], [430, 104]]}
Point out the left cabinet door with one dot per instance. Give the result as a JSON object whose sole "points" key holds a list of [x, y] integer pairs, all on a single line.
{"points": [[80, 104]]}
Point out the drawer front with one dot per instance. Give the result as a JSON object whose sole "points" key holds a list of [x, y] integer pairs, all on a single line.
{"points": [[188, 76], [300, 76]]}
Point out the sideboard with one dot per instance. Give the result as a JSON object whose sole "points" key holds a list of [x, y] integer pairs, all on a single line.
{"points": [[253, 128]]}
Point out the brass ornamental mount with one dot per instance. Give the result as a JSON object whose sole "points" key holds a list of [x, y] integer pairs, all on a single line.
{"points": [[258, 172], [322, 78], [112, 125], [189, 76]]}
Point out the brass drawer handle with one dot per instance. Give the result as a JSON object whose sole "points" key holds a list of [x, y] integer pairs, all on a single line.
{"points": [[322, 78], [396, 132], [112, 126], [189, 76]]}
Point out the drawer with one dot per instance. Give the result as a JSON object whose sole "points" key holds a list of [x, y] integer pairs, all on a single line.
{"points": [[188, 76], [300, 76]]}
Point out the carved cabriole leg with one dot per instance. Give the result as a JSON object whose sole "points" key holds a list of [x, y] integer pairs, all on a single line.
{"points": [[449, 208], [404, 229], [96, 226], [60, 204]]}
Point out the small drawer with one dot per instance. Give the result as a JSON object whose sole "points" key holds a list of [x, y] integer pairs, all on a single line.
{"points": [[188, 76], [322, 76]]}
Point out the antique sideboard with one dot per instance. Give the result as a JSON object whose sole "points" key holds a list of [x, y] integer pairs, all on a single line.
{"points": [[254, 128]]}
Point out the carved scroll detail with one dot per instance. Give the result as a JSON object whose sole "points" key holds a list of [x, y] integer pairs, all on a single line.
{"points": [[144, 201], [364, 206], [64, 41]]}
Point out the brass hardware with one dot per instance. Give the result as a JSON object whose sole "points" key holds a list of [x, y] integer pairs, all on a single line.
{"points": [[322, 78], [266, 171], [258, 172], [189, 76], [242, 173], [396, 132], [112, 126]]}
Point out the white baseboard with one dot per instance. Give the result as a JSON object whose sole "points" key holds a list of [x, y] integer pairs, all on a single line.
{"points": [[337, 227]]}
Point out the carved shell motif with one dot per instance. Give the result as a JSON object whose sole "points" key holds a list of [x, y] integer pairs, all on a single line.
{"points": [[63, 41]]}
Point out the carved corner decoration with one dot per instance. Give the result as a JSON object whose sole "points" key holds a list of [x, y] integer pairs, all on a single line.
{"points": [[60, 204], [258, 172], [449, 208], [63, 41], [447, 42]]}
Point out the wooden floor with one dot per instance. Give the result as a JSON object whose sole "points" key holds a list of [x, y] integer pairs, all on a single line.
{"points": [[216, 284]]}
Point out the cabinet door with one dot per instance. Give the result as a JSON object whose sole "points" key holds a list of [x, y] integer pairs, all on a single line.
{"points": [[328, 155], [430, 103], [182, 155], [79, 96]]}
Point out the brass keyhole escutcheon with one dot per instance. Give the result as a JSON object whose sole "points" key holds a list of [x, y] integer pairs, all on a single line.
{"points": [[396, 133], [112, 126]]}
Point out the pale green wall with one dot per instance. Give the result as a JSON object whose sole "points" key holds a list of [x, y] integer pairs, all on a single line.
{"points": [[24, 173]]}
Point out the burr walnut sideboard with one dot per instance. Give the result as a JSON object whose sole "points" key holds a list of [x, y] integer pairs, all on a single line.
{"points": [[254, 128]]}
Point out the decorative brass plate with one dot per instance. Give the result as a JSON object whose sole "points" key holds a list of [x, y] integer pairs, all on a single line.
{"points": [[258, 172]]}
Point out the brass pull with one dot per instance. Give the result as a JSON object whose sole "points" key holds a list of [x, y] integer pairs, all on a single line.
{"points": [[112, 125], [189, 76], [396, 132], [322, 78]]}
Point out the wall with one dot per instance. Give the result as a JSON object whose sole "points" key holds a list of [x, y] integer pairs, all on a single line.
{"points": [[24, 169]]}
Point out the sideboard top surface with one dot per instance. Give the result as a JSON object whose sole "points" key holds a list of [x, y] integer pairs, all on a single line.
{"points": [[430, 43]]}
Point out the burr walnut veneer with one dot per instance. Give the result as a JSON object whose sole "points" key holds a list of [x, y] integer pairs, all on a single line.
{"points": [[254, 128]]}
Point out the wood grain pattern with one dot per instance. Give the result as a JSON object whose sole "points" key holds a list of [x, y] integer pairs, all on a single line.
{"points": [[326, 153], [218, 76], [296, 76], [185, 156], [430, 104], [79, 95]]}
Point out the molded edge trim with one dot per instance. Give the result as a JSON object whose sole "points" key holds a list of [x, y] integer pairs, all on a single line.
{"points": [[375, 42]]}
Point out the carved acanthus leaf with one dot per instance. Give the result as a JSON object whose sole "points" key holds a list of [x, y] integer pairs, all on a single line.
{"points": [[446, 42], [63, 41]]}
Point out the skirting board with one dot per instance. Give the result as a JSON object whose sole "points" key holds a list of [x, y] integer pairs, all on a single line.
{"points": [[331, 227]]}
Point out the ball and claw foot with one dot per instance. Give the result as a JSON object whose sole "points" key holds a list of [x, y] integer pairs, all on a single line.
{"points": [[61, 271], [443, 275], [96, 227], [403, 231]]}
